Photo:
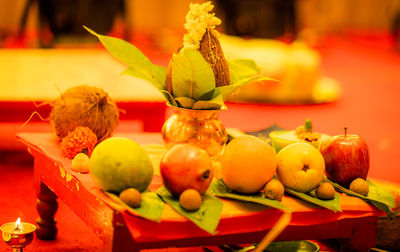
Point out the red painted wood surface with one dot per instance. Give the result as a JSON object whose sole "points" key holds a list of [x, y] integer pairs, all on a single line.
{"points": [[120, 230]]}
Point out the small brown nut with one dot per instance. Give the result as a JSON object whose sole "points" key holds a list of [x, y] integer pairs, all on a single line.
{"points": [[131, 197], [359, 186], [190, 200], [325, 191], [274, 190]]}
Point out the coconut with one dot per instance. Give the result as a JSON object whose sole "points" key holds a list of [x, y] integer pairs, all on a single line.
{"points": [[212, 52], [84, 106], [168, 78]]}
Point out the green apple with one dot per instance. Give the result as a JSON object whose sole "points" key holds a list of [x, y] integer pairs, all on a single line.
{"points": [[301, 167]]}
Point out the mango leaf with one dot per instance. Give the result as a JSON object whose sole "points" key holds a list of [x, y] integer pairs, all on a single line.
{"points": [[333, 204], [185, 102], [241, 68], [206, 218], [140, 65], [210, 95], [211, 100], [170, 99], [218, 188], [206, 105], [228, 90], [254, 78], [378, 196], [139, 73], [151, 207], [215, 103], [192, 76]]}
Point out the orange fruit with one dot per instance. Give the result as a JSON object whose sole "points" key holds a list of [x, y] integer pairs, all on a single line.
{"points": [[247, 164]]}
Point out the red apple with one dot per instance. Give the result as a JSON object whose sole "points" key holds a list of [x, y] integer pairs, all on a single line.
{"points": [[184, 167], [346, 158]]}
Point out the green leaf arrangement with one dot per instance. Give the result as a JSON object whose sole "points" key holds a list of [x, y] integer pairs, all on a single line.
{"points": [[333, 204], [206, 217], [378, 196], [151, 207], [219, 189], [193, 79]]}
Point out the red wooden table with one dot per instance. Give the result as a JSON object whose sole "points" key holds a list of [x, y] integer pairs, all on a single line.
{"points": [[240, 223]]}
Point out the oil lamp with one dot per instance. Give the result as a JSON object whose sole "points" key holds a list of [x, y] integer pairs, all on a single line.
{"points": [[18, 234]]}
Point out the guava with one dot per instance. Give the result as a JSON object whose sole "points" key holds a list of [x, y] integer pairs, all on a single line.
{"points": [[118, 163]]}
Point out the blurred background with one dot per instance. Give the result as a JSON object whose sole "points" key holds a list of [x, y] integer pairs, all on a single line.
{"points": [[337, 61], [49, 23]]}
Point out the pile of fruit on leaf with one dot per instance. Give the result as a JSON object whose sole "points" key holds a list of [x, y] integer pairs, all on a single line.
{"points": [[343, 158], [248, 167], [250, 170]]}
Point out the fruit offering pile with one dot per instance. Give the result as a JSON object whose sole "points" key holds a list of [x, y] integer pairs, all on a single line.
{"points": [[248, 169], [305, 164]]}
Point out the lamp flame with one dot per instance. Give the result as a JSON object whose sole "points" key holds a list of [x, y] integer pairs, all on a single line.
{"points": [[18, 224]]}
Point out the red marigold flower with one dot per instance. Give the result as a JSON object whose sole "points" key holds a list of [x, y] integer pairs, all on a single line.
{"points": [[81, 139]]}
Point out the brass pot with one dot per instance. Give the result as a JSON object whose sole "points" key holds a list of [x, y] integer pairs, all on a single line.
{"points": [[201, 128]]}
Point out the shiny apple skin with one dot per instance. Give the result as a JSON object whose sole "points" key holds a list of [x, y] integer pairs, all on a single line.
{"points": [[346, 158], [185, 166]]}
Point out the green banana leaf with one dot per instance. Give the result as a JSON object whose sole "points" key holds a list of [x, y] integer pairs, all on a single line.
{"points": [[218, 188], [377, 196], [206, 218], [333, 204], [151, 207]]}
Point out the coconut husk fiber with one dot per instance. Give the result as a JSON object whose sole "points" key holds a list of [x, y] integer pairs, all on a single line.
{"points": [[212, 52], [84, 106], [168, 78]]}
